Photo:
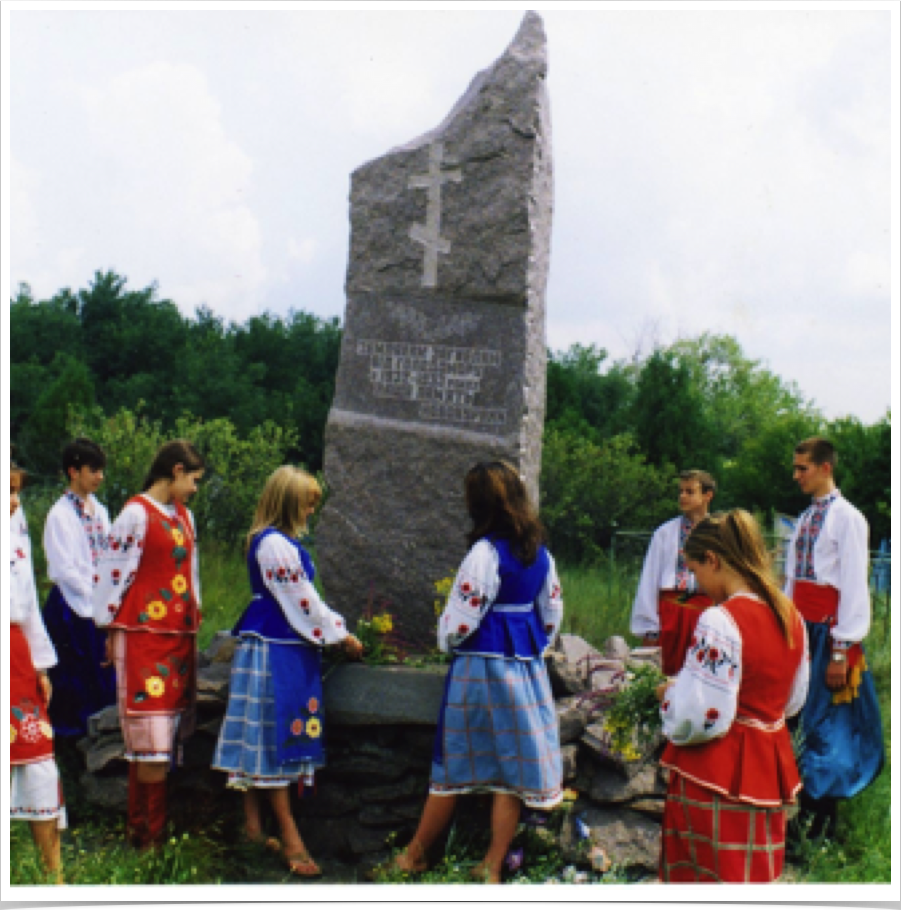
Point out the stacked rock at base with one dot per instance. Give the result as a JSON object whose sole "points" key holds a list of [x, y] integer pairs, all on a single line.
{"points": [[443, 356]]}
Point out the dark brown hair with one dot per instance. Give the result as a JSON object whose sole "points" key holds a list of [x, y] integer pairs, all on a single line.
{"points": [[736, 539], [80, 452], [819, 450], [178, 451], [499, 505]]}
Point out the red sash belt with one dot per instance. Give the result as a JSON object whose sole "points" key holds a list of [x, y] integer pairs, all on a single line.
{"points": [[816, 603], [31, 736], [819, 603]]}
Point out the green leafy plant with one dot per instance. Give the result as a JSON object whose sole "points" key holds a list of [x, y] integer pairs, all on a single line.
{"points": [[633, 717]]}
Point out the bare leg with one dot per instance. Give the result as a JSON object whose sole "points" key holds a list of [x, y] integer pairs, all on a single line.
{"points": [[293, 847], [505, 812], [46, 836], [253, 823], [436, 816]]}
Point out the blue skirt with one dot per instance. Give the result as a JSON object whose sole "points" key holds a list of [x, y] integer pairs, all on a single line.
{"points": [[81, 687], [497, 731], [273, 727], [842, 748]]}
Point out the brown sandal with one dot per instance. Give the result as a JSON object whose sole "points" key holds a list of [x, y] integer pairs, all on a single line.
{"points": [[302, 865]]}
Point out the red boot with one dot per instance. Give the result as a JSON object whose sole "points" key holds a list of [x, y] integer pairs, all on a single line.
{"points": [[156, 812], [136, 824]]}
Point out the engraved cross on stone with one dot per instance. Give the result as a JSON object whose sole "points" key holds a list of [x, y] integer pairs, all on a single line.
{"points": [[429, 234]]}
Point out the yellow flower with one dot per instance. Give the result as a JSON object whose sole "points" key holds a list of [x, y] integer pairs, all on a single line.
{"points": [[179, 584], [13, 736], [46, 729], [382, 624], [177, 536], [156, 609], [155, 687], [314, 728]]}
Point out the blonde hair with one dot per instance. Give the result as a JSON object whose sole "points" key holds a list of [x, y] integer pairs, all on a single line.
{"points": [[288, 493], [736, 539]]}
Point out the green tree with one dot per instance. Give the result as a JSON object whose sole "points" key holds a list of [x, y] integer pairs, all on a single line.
{"points": [[669, 418], [589, 489], [45, 430], [584, 397]]}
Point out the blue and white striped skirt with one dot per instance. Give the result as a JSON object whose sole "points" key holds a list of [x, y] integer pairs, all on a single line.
{"points": [[248, 740], [498, 732]]}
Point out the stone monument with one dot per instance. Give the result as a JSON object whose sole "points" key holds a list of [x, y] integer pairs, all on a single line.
{"points": [[443, 355]]}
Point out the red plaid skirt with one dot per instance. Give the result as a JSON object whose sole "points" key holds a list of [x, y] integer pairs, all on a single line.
{"points": [[710, 838]]}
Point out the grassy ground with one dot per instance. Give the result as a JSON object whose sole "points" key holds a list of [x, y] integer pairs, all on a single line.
{"points": [[598, 602]]}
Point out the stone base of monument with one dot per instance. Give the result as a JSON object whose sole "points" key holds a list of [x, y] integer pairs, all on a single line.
{"points": [[380, 729]]}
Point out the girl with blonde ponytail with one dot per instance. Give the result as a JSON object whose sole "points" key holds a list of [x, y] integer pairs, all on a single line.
{"points": [[733, 772]]}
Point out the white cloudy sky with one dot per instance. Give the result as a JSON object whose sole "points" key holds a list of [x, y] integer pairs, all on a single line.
{"points": [[726, 169]]}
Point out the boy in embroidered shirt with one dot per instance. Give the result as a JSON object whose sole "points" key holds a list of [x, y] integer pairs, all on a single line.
{"points": [[667, 603], [74, 535], [827, 569]]}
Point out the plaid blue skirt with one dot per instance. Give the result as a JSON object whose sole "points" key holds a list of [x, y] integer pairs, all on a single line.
{"points": [[497, 731], [250, 737]]}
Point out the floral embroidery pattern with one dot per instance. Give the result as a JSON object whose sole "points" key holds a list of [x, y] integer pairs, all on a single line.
{"points": [[307, 725], [155, 678], [469, 596], [711, 659], [685, 581], [93, 528], [809, 527], [710, 718], [32, 728]]}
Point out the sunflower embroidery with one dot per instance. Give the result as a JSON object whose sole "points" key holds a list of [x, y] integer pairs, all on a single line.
{"points": [[156, 609], [314, 728], [155, 687], [178, 537], [46, 729], [13, 734], [179, 584]]}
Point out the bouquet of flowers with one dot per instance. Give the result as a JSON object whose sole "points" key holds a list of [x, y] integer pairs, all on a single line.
{"points": [[633, 717]]}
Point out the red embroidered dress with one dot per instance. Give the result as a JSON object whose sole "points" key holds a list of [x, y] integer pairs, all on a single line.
{"points": [[730, 753], [159, 611]]}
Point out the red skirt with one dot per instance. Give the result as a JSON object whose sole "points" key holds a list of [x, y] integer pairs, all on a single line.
{"points": [[709, 838], [31, 736], [679, 613]]}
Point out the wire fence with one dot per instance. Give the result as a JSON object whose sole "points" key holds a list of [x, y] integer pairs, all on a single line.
{"points": [[628, 548]]}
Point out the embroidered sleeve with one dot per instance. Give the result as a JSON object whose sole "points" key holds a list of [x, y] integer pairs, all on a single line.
{"points": [[43, 654], [284, 575], [118, 562], [701, 703], [645, 618], [195, 561], [61, 548], [474, 590], [851, 536], [550, 602]]}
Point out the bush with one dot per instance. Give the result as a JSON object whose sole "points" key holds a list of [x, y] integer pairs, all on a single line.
{"points": [[236, 467], [588, 489]]}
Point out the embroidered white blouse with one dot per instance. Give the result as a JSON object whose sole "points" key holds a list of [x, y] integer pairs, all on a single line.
{"points": [[657, 574], [701, 703], [70, 564], [841, 559], [283, 574], [23, 597], [478, 580], [132, 521]]}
